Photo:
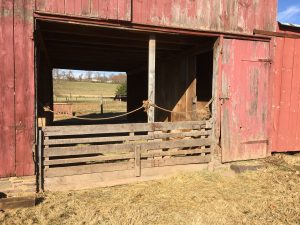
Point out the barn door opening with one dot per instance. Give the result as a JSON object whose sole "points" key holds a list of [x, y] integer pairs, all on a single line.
{"points": [[204, 75], [244, 99]]}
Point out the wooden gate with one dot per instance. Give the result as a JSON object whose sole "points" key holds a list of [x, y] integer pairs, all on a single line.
{"points": [[70, 154]]}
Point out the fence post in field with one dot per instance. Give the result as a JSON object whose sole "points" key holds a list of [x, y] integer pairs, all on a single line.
{"points": [[101, 104]]}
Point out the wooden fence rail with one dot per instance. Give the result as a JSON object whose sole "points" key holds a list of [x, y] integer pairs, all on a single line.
{"points": [[87, 149]]}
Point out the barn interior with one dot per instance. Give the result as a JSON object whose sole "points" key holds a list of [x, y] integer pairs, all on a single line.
{"points": [[183, 71]]}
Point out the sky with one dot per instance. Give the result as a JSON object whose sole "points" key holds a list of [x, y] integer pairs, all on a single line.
{"points": [[289, 11]]}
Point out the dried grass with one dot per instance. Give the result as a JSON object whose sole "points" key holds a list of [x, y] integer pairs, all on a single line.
{"points": [[267, 196]]}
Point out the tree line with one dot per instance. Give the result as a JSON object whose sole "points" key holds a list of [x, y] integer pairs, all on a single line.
{"points": [[90, 76]]}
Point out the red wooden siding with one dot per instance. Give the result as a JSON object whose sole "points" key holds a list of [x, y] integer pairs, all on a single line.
{"points": [[240, 16], [244, 121], [16, 88], [7, 107], [285, 127], [104, 9], [24, 86]]}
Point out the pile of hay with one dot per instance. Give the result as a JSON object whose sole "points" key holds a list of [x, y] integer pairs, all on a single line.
{"points": [[268, 196]]}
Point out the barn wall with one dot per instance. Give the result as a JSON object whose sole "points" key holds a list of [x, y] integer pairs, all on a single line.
{"points": [[17, 88], [7, 107], [112, 9], [285, 132], [240, 16]]}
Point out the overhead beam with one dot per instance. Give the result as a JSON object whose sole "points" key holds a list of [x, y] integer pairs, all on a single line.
{"points": [[151, 76]]}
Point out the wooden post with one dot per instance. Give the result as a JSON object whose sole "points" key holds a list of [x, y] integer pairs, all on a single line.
{"points": [[40, 161], [101, 105], [151, 76], [137, 163]]}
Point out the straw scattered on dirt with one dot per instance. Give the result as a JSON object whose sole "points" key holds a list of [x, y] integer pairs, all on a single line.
{"points": [[267, 196]]}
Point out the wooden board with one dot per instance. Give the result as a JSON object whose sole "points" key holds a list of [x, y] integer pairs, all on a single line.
{"points": [[100, 9], [17, 202], [7, 106], [244, 99]]}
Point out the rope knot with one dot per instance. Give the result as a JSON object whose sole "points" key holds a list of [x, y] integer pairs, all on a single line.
{"points": [[146, 105]]}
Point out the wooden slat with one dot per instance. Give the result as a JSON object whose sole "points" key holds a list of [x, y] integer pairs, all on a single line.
{"points": [[126, 138], [177, 144], [176, 152], [24, 86], [94, 159], [95, 129], [94, 149], [7, 86], [87, 169], [137, 161], [176, 161], [102, 158], [120, 128]]}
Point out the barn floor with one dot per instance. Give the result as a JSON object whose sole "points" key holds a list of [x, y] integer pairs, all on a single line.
{"points": [[268, 196]]}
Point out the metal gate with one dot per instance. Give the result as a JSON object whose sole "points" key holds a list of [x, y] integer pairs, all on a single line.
{"points": [[67, 153]]}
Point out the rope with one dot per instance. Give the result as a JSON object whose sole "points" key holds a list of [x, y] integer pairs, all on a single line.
{"points": [[47, 109], [146, 106]]}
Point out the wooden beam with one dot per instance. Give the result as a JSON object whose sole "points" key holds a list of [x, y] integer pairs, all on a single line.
{"points": [[276, 34], [151, 76]]}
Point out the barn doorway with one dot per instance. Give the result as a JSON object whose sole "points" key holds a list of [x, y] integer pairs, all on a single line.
{"points": [[80, 95], [166, 74]]}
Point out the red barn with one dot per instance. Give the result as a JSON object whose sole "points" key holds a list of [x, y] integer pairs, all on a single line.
{"points": [[181, 55]]}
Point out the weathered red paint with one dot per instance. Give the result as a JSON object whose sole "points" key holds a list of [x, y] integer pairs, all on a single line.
{"points": [[189, 16], [24, 86], [240, 16], [17, 88], [7, 106], [244, 121], [285, 132], [101, 9]]}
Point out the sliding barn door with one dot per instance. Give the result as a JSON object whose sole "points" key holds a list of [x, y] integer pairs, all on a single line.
{"points": [[244, 99]]}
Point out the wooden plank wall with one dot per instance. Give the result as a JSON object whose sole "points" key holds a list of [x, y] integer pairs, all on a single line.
{"points": [[241, 16], [177, 77], [104, 9], [24, 86], [284, 128], [7, 106], [17, 88]]}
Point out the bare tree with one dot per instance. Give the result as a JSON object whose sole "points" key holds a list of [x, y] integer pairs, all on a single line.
{"points": [[89, 75]]}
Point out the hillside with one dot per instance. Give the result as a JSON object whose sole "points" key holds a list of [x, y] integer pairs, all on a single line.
{"points": [[83, 88]]}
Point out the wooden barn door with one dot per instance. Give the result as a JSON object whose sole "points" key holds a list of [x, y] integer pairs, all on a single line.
{"points": [[244, 99]]}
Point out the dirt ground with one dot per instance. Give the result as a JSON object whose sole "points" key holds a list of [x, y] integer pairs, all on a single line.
{"points": [[268, 196]]}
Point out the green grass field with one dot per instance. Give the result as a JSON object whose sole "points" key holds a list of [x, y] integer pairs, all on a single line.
{"points": [[86, 97], [83, 88]]}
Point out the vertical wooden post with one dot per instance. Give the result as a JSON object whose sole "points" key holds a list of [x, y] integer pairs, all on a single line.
{"points": [[151, 76], [137, 163], [40, 161], [101, 105]]}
